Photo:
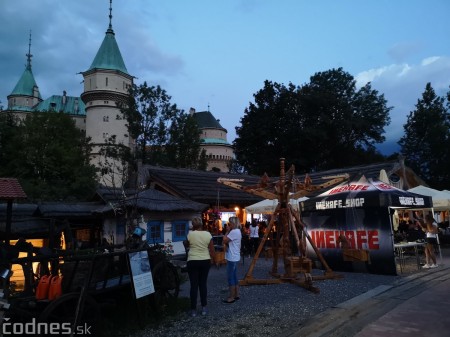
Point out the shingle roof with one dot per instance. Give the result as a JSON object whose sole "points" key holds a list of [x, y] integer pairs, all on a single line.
{"points": [[203, 187], [394, 170], [157, 201], [58, 209], [11, 189], [205, 119], [18, 210]]}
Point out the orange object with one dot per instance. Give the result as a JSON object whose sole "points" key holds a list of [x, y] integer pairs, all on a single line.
{"points": [[55, 287], [43, 287]]}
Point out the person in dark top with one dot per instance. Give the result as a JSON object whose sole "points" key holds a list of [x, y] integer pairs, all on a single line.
{"points": [[415, 232]]}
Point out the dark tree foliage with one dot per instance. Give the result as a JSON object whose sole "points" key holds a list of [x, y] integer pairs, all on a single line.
{"points": [[426, 141], [183, 146], [164, 134], [50, 157], [8, 124], [116, 164], [324, 124]]}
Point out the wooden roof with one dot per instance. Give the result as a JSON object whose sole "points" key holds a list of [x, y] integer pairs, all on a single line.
{"points": [[200, 186], [157, 201], [64, 209], [203, 187], [11, 189], [399, 175]]}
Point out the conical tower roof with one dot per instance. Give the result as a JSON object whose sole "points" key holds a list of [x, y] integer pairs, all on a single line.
{"points": [[109, 56], [205, 119], [27, 83]]}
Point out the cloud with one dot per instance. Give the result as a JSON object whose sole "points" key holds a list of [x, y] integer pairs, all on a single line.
{"points": [[403, 85], [403, 50]]}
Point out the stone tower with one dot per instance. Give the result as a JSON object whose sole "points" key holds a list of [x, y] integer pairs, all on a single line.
{"points": [[106, 83], [213, 137]]}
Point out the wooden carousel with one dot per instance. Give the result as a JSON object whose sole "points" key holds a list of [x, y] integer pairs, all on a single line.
{"points": [[291, 234]]}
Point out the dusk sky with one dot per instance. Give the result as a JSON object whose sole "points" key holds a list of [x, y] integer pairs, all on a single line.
{"points": [[218, 53]]}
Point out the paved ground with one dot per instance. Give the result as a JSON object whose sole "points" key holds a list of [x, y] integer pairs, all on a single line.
{"points": [[359, 304], [417, 305]]}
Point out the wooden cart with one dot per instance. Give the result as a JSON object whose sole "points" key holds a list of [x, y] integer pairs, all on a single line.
{"points": [[85, 279]]}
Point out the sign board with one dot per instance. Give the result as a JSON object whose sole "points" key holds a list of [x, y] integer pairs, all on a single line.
{"points": [[141, 274]]}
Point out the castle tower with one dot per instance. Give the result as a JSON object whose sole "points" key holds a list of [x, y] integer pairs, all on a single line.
{"points": [[106, 83], [213, 137], [25, 94]]}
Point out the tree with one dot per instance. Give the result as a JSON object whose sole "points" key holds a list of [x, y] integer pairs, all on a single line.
{"points": [[51, 164], [324, 124], [8, 125], [426, 141], [164, 135], [183, 146]]}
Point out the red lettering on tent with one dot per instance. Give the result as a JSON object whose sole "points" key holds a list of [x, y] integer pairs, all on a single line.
{"points": [[361, 238], [330, 242], [373, 242], [350, 235], [352, 187], [357, 239], [319, 239], [382, 186]]}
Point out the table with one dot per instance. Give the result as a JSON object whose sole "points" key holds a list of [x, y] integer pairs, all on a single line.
{"points": [[399, 248]]}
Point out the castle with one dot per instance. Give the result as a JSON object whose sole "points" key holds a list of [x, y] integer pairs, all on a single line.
{"points": [[106, 83]]}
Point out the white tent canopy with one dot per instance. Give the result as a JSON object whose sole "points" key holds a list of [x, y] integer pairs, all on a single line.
{"points": [[441, 199], [268, 206]]}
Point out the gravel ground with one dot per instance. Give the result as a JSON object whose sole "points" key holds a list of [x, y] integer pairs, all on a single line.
{"points": [[264, 310]]}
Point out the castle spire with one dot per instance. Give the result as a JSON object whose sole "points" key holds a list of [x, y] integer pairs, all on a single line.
{"points": [[110, 30], [29, 55]]}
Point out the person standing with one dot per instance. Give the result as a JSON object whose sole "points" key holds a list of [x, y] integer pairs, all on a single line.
{"points": [[431, 231], [232, 240], [254, 237], [200, 258]]}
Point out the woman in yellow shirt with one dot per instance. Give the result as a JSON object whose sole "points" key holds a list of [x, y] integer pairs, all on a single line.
{"points": [[200, 258]]}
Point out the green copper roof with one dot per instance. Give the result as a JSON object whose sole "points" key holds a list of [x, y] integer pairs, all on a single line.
{"points": [[214, 141], [72, 105], [205, 119], [26, 84], [109, 56]]}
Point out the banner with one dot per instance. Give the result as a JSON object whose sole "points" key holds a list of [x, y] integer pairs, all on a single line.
{"points": [[366, 230], [141, 274]]}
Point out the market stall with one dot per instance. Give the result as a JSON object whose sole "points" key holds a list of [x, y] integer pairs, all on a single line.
{"points": [[267, 206], [352, 223]]}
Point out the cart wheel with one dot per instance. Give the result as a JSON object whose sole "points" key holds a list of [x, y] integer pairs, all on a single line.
{"points": [[166, 282], [63, 310]]}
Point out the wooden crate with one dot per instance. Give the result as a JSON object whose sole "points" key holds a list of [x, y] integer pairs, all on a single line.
{"points": [[297, 264], [356, 255], [219, 258]]}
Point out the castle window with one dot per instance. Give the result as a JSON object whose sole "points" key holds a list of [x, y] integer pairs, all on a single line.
{"points": [[105, 102], [106, 118], [106, 81], [105, 134]]}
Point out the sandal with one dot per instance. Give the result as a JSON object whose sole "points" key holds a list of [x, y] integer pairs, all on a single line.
{"points": [[228, 302]]}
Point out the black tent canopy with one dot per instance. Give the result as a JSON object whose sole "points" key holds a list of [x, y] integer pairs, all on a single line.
{"points": [[361, 213]]}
